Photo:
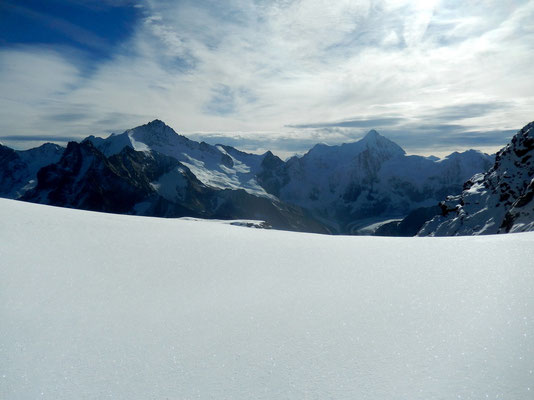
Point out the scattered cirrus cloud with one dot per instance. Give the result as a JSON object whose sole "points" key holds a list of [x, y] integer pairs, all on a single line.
{"points": [[286, 74]]}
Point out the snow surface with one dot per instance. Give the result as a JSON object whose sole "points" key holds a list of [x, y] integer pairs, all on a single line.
{"points": [[96, 306]]}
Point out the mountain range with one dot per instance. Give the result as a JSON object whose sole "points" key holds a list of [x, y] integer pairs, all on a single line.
{"points": [[151, 170]]}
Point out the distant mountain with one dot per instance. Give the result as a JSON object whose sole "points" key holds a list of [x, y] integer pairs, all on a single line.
{"points": [[18, 169], [498, 201], [152, 170], [369, 179], [152, 184]]}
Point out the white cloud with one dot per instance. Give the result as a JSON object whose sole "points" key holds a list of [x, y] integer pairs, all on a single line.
{"points": [[244, 66], [34, 74]]}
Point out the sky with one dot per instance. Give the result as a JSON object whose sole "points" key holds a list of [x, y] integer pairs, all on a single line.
{"points": [[434, 76]]}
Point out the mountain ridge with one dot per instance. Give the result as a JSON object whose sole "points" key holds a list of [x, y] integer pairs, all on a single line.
{"points": [[338, 186]]}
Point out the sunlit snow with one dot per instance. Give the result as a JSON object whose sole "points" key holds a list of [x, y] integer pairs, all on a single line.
{"points": [[96, 306]]}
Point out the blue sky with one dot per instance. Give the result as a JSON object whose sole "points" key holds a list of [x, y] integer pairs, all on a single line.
{"points": [[435, 76]]}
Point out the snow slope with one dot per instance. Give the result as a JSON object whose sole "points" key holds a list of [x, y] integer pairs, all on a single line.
{"points": [[98, 306]]}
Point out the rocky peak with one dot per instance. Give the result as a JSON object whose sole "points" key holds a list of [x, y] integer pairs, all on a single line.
{"points": [[156, 123], [375, 141], [520, 148], [7, 154], [270, 161], [155, 133], [372, 134]]}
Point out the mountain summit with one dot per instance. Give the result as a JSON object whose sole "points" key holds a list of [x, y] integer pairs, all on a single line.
{"points": [[220, 167], [375, 141], [156, 133]]}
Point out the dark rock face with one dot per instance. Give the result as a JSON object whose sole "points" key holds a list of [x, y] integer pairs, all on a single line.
{"points": [[18, 169], [12, 170], [84, 178], [520, 216], [497, 201], [272, 175], [227, 161], [7, 155]]}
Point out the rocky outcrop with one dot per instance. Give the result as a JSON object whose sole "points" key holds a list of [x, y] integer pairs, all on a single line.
{"points": [[498, 201]]}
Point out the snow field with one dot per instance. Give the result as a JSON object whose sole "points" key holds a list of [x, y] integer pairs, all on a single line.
{"points": [[98, 306]]}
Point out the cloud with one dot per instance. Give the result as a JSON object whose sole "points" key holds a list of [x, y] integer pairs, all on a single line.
{"points": [[66, 117], [39, 138], [222, 101], [421, 139], [355, 123], [439, 140], [290, 72], [466, 111]]}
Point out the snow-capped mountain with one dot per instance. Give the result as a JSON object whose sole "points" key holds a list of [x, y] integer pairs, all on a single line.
{"points": [[152, 184], [221, 167], [371, 178], [498, 201], [18, 169]]}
